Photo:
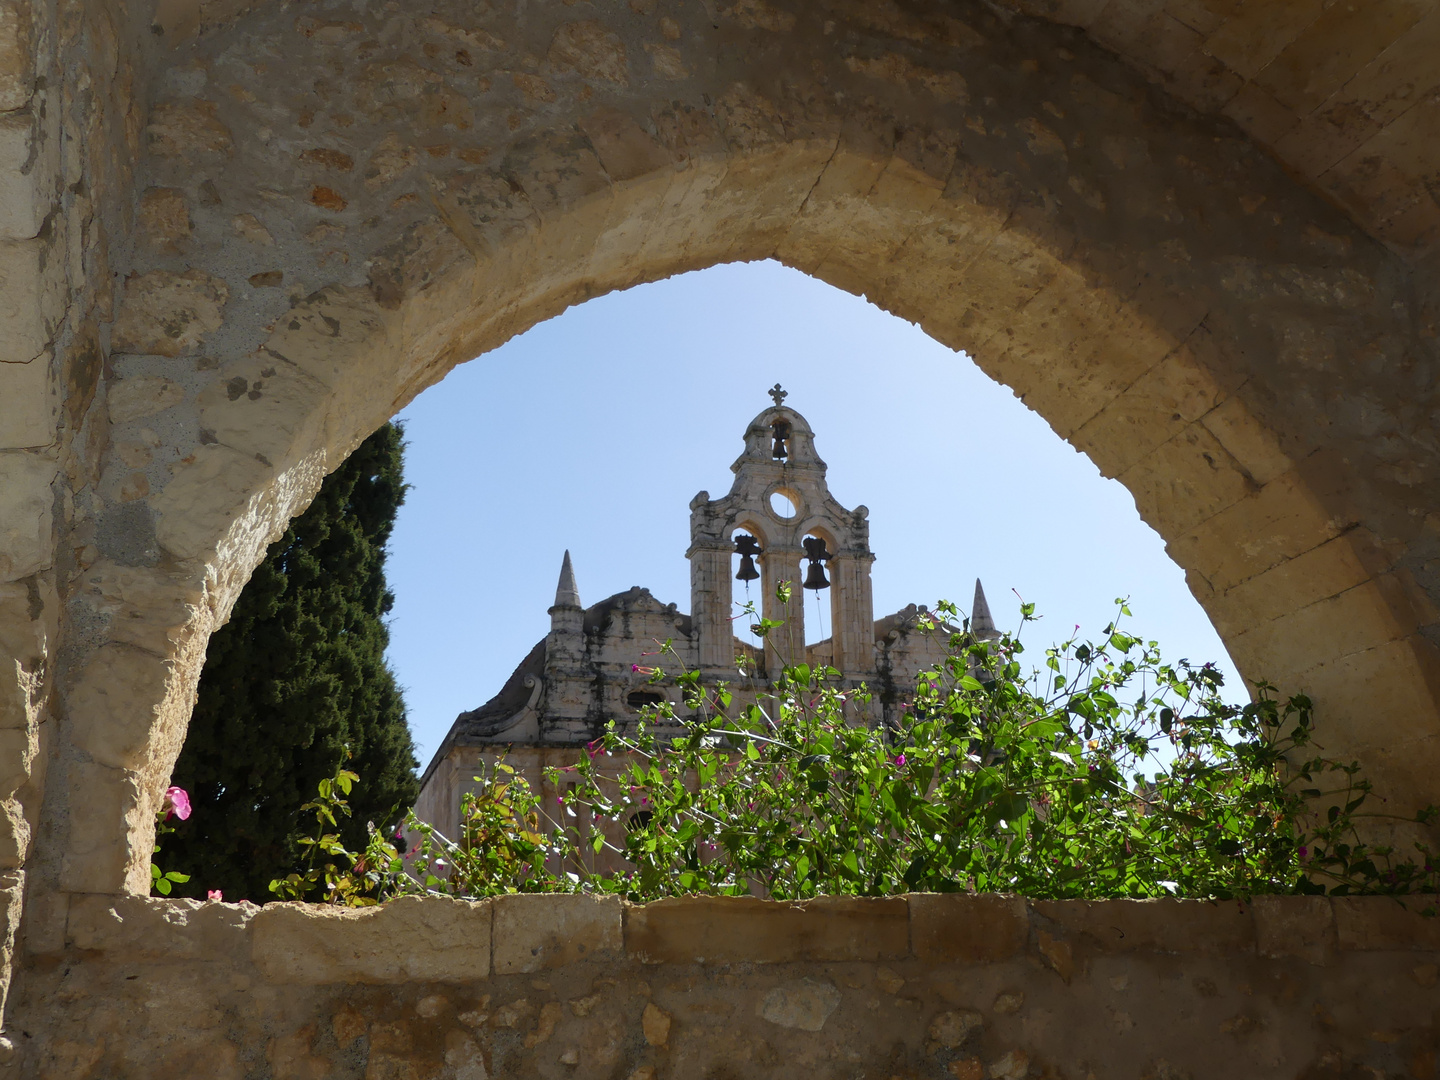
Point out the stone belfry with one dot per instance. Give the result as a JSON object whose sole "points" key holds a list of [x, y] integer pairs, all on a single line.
{"points": [[812, 539]]}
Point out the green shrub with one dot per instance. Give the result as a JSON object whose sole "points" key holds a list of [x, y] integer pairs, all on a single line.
{"points": [[1107, 773]]}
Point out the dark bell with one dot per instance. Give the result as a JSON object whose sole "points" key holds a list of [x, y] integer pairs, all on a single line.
{"points": [[781, 430], [747, 547], [816, 552], [815, 577]]}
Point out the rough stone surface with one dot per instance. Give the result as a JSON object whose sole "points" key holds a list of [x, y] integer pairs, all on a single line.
{"points": [[407, 991], [1198, 238], [168, 314], [297, 943], [142, 396], [718, 930], [537, 932], [28, 163], [960, 927], [26, 504], [28, 405], [803, 1004]]}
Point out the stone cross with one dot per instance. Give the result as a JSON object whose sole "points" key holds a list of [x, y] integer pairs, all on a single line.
{"points": [[778, 394]]}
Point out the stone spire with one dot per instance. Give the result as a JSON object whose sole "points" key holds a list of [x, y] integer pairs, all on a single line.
{"points": [[981, 624], [567, 593]]}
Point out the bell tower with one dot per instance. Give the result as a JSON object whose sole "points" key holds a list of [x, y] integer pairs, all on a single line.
{"points": [[780, 513]]}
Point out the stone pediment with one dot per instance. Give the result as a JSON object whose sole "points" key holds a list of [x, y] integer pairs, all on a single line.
{"points": [[633, 601]]}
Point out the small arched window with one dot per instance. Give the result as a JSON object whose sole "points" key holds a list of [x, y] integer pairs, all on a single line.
{"points": [[638, 699]]}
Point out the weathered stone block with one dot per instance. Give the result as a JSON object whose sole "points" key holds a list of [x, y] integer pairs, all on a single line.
{"points": [[1186, 481], [27, 175], [15, 833], [151, 609], [801, 1004], [28, 408], [1282, 520], [536, 932], [740, 929], [24, 631], [23, 331], [26, 504], [1247, 440], [200, 506], [1314, 575], [168, 314], [17, 750], [1376, 923], [141, 396], [187, 130], [12, 898], [1359, 617], [115, 703], [152, 928], [965, 928], [411, 939], [17, 73], [14, 694], [1298, 926], [43, 925], [98, 858], [1170, 926]]}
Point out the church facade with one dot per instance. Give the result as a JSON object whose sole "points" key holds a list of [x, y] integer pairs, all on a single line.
{"points": [[777, 523]]}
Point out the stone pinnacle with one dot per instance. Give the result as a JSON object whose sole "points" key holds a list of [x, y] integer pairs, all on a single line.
{"points": [[981, 624], [567, 593]]}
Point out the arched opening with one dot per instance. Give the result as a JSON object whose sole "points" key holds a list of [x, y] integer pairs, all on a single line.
{"points": [[747, 589], [817, 582], [1090, 248]]}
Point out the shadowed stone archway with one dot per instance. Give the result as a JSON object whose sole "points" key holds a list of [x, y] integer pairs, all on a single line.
{"points": [[333, 208]]}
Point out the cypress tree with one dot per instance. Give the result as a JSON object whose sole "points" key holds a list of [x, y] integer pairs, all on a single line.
{"points": [[296, 676]]}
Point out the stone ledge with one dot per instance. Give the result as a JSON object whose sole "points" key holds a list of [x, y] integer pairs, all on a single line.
{"points": [[407, 940], [1302, 927], [1167, 926], [536, 931], [966, 928], [1375, 923], [738, 929], [416, 939], [152, 928]]}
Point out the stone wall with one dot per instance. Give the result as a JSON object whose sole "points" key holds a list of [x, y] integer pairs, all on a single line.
{"points": [[72, 101], [944, 987], [235, 236]]}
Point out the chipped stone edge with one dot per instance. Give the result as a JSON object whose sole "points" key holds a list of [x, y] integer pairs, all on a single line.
{"points": [[1364, 924]]}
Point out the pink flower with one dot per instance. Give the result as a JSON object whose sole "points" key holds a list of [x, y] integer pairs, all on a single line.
{"points": [[1304, 851], [177, 802], [900, 759], [214, 894]]}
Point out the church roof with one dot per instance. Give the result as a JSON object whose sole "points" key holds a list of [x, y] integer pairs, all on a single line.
{"points": [[479, 726]]}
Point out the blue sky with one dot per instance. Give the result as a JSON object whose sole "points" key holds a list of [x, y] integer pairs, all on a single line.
{"points": [[594, 430]]}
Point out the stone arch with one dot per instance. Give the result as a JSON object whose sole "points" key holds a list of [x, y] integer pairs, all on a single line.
{"points": [[311, 255]]}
